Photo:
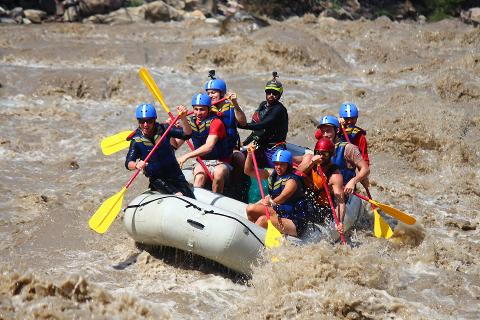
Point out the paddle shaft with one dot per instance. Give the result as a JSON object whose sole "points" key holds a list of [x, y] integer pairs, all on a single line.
{"points": [[335, 217], [155, 90], [153, 150], [257, 174]]}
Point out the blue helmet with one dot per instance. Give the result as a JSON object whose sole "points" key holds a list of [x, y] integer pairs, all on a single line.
{"points": [[329, 120], [201, 99], [216, 84], [348, 110], [146, 110], [282, 156]]}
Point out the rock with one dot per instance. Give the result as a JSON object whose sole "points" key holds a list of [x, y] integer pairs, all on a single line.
{"points": [[26, 21], [177, 4], [16, 12], [472, 16], [191, 5], [89, 7], [36, 16], [212, 21], [8, 20], [160, 11], [120, 16], [3, 12], [461, 224], [422, 19], [196, 14]]}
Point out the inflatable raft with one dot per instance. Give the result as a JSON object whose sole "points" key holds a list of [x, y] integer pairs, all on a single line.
{"points": [[213, 226]]}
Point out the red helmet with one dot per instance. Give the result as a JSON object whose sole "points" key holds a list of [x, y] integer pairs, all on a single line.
{"points": [[325, 144]]}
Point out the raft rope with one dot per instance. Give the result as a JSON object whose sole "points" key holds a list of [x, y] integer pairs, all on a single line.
{"points": [[190, 204]]}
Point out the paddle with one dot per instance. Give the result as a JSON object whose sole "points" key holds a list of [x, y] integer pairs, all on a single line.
{"points": [[335, 217], [120, 141], [397, 214], [155, 91], [381, 229], [115, 143], [104, 216], [273, 236]]}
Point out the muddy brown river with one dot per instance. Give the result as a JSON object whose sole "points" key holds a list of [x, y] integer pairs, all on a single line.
{"points": [[64, 87]]}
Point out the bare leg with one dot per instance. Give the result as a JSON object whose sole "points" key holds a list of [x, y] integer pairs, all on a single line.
{"points": [[200, 178], [219, 175]]}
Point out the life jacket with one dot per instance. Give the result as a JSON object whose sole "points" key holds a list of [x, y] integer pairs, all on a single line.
{"points": [[339, 160], [315, 183], [227, 114], [221, 150], [276, 184], [352, 132], [277, 132], [163, 161]]}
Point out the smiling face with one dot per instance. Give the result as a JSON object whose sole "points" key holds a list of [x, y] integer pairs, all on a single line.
{"points": [[350, 121], [147, 126], [215, 95], [280, 168], [201, 112]]}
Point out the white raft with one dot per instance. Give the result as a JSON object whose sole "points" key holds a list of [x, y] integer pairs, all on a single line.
{"points": [[213, 226]]}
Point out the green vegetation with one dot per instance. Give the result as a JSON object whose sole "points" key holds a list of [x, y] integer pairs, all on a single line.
{"points": [[133, 3], [437, 10]]}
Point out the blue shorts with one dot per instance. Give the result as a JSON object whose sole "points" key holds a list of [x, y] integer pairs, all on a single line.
{"points": [[298, 214]]}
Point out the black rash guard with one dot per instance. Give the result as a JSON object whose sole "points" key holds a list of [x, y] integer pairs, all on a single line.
{"points": [[269, 125]]}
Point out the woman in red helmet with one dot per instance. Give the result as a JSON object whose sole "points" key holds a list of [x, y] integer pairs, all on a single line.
{"points": [[314, 180]]}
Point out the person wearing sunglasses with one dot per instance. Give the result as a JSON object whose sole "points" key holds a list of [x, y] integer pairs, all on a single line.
{"points": [[162, 168], [318, 170], [347, 156], [269, 124]]}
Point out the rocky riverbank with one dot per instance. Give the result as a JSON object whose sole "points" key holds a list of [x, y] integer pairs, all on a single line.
{"points": [[221, 12]]}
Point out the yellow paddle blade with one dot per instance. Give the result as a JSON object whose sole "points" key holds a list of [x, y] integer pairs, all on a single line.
{"points": [[115, 143], [152, 87], [273, 236], [104, 216], [381, 229], [397, 214]]}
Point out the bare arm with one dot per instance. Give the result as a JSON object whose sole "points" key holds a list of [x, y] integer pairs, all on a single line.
{"points": [[239, 114], [363, 172], [288, 191], [336, 181], [249, 168], [204, 149]]}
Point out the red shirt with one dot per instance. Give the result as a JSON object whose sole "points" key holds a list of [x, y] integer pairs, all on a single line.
{"points": [[361, 142], [217, 128]]}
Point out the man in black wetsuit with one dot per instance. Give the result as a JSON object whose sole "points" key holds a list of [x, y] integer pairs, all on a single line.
{"points": [[269, 124]]}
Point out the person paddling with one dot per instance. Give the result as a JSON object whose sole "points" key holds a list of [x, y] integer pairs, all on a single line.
{"points": [[162, 169], [269, 124], [356, 135], [209, 136], [286, 202], [347, 157], [316, 169], [231, 114]]}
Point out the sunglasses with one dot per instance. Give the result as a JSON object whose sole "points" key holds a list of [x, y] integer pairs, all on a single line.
{"points": [[141, 121], [321, 153], [273, 92]]}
